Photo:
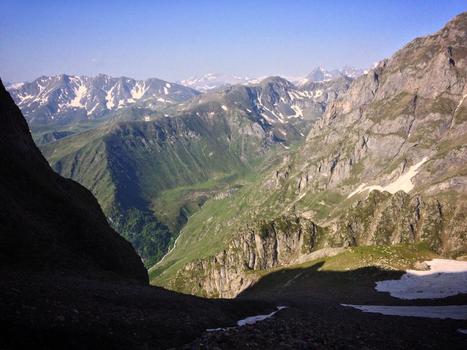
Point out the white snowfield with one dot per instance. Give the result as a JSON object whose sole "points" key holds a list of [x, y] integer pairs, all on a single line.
{"points": [[455, 312], [80, 93], [402, 183], [445, 278]]}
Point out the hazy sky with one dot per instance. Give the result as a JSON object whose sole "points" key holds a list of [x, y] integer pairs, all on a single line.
{"points": [[177, 39]]}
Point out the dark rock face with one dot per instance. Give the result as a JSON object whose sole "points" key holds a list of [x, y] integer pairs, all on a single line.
{"points": [[48, 222]]}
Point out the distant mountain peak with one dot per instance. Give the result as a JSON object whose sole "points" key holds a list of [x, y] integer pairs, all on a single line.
{"points": [[212, 81], [77, 97], [320, 73]]}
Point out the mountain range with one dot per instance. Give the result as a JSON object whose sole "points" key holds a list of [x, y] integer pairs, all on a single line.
{"points": [[152, 167], [211, 81], [68, 279], [150, 171], [321, 74], [384, 165], [67, 98], [293, 200]]}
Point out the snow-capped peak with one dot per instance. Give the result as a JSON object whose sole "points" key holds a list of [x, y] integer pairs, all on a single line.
{"points": [[63, 96], [211, 81], [321, 74]]}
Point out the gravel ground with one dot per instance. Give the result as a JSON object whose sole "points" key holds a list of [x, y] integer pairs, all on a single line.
{"points": [[43, 311], [315, 319]]}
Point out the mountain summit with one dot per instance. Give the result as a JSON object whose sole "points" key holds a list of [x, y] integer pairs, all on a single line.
{"points": [[212, 81], [320, 74], [67, 98]]}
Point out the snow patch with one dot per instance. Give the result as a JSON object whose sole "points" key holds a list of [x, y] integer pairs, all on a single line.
{"points": [[402, 183], [15, 86], [456, 312], [79, 95], [24, 98], [109, 98], [269, 120], [138, 90], [317, 93], [254, 319], [445, 278], [298, 111], [249, 320], [263, 108]]}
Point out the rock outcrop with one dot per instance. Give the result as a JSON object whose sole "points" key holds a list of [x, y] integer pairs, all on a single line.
{"points": [[267, 245], [379, 219]]}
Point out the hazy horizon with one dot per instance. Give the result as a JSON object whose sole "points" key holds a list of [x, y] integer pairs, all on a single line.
{"points": [[184, 39]]}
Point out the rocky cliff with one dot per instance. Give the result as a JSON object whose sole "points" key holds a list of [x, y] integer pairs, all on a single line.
{"points": [[379, 219], [266, 245]]}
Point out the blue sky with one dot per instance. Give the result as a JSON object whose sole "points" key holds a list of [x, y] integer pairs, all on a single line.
{"points": [[177, 39]]}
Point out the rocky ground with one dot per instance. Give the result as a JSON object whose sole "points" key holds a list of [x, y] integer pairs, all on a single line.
{"points": [[327, 326], [44, 311], [315, 319]]}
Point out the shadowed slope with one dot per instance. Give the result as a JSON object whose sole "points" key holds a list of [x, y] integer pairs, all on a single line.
{"points": [[48, 222]]}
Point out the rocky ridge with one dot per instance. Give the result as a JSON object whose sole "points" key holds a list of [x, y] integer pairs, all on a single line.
{"points": [[281, 109], [401, 129], [129, 161], [67, 98]]}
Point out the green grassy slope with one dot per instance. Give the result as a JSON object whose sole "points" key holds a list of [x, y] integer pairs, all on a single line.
{"points": [[409, 108], [149, 177]]}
